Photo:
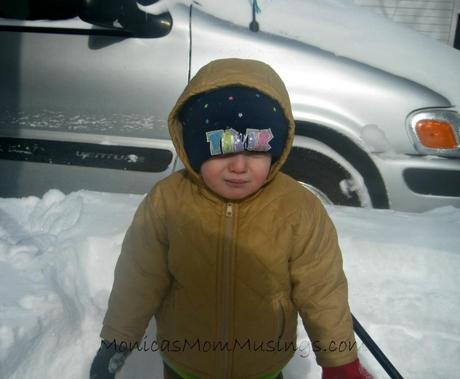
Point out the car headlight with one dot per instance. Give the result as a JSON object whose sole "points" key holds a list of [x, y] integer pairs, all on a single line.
{"points": [[436, 132]]}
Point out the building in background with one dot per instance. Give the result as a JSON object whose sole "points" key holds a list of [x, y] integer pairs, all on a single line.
{"points": [[438, 19]]}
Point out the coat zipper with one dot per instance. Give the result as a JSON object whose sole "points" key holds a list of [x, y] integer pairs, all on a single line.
{"points": [[227, 289]]}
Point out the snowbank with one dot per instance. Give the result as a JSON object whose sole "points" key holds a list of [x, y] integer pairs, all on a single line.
{"points": [[57, 256]]}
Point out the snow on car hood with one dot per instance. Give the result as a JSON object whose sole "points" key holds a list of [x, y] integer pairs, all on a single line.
{"points": [[340, 27]]}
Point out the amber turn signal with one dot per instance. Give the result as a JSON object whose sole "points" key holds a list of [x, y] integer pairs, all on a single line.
{"points": [[436, 134]]}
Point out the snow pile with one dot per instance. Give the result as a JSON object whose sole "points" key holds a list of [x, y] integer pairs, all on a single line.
{"points": [[403, 270], [347, 30], [57, 256]]}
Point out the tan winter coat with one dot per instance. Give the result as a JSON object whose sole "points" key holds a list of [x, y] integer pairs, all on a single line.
{"points": [[225, 280]]}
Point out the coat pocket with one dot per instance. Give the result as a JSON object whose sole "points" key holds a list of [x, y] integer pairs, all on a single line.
{"points": [[165, 317], [286, 318], [280, 314]]}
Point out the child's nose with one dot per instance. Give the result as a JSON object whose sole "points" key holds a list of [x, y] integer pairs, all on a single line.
{"points": [[238, 163]]}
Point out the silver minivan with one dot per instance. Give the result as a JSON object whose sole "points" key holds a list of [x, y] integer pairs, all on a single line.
{"points": [[86, 87]]}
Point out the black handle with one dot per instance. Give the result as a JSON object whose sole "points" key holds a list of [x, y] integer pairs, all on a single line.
{"points": [[375, 350]]}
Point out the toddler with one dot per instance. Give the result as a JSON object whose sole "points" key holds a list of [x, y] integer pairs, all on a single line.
{"points": [[225, 253]]}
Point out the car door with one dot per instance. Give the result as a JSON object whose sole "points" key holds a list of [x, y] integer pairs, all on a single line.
{"points": [[84, 104]]}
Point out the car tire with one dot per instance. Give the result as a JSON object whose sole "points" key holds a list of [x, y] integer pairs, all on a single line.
{"points": [[328, 175]]}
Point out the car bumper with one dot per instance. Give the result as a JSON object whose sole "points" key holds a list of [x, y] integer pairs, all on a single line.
{"points": [[420, 183]]}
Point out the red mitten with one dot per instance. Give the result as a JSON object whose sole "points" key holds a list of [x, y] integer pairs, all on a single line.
{"points": [[352, 370]]}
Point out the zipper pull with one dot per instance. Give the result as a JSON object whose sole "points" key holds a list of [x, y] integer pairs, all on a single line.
{"points": [[229, 210]]}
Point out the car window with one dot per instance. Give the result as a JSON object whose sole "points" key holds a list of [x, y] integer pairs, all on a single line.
{"points": [[43, 9], [121, 15]]}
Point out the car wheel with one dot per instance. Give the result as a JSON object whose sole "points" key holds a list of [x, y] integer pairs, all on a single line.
{"points": [[327, 174]]}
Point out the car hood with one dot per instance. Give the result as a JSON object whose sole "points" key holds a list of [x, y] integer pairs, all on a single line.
{"points": [[347, 30]]}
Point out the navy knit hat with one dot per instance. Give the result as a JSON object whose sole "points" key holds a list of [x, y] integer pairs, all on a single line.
{"points": [[230, 120]]}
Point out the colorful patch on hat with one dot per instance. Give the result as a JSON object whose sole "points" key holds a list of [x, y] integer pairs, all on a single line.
{"points": [[230, 141]]}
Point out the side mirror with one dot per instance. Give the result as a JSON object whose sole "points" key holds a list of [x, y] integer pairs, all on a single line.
{"points": [[125, 15]]}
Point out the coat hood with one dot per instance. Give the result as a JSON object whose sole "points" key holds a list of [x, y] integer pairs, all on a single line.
{"points": [[233, 72]]}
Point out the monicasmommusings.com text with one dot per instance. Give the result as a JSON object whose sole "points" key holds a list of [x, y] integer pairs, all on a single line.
{"points": [[180, 345]]}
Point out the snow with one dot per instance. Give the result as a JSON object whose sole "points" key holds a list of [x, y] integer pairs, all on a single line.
{"points": [[375, 138], [369, 38], [57, 256], [58, 252], [124, 124]]}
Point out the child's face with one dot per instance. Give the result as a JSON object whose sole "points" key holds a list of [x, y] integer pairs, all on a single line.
{"points": [[236, 176]]}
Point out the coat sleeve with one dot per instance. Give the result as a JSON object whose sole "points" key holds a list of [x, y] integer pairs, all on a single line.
{"points": [[320, 290], [141, 274]]}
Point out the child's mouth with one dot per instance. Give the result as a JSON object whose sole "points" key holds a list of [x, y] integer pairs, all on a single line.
{"points": [[236, 182]]}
